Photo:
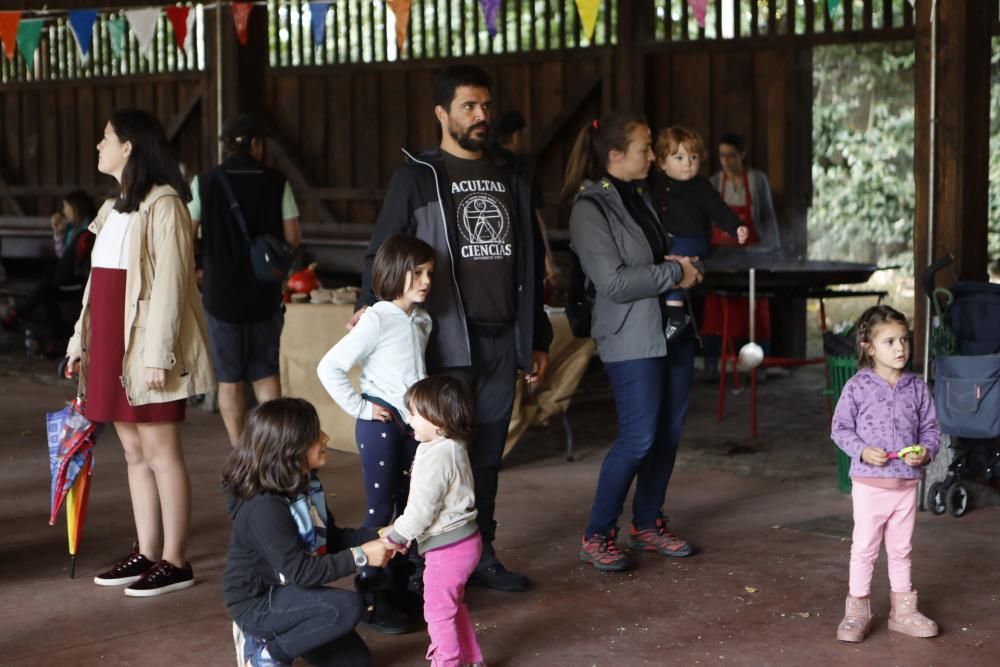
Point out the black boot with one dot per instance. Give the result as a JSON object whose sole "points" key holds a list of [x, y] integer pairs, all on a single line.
{"points": [[380, 613], [490, 573]]}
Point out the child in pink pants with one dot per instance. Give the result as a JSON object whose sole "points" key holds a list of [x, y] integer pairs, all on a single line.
{"points": [[440, 516], [882, 413]]}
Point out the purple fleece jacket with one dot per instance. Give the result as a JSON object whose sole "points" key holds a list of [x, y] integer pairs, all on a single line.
{"points": [[871, 413]]}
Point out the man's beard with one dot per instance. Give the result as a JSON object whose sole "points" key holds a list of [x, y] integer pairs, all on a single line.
{"points": [[465, 139]]}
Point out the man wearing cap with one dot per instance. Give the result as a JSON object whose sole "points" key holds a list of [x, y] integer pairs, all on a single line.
{"points": [[244, 316], [486, 303]]}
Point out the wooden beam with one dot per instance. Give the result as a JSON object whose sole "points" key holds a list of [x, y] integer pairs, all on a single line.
{"points": [[9, 196], [297, 175], [178, 121], [583, 93]]}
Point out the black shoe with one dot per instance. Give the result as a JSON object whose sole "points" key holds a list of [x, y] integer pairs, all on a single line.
{"points": [[164, 577], [492, 574], [381, 613], [126, 571], [675, 327]]}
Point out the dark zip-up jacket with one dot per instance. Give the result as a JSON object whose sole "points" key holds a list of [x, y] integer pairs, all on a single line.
{"points": [[265, 551], [417, 203]]}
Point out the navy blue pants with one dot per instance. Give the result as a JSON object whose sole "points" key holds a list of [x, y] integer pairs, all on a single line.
{"points": [[387, 450], [314, 623], [687, 246], [651, 397]]}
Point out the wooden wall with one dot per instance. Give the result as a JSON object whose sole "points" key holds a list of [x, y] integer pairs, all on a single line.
{"points": [[765, 95], [347, 124], [49, 132]]}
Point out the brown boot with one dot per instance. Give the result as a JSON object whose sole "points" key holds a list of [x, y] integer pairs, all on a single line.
{"points": [[905, 618], [857, 619]]}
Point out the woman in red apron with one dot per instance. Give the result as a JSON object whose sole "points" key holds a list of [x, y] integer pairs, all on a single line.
{"points": [[748, 195]]}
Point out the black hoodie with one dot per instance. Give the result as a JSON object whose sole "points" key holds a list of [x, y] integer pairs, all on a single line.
{"points": [[265, 551]]}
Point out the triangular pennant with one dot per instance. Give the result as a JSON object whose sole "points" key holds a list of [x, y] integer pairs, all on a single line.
{"points": [[8, 32], [587, 9], [143, 24], [28, 34], [116, 30], [401, 10], [241, 17], [317, 14], [491, 9], [831, 6], [81, 22], [699, 7], [178, 17]]}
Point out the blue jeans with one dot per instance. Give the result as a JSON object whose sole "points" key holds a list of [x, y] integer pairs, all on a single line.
{"points": [[688, 246], [651, 397]]}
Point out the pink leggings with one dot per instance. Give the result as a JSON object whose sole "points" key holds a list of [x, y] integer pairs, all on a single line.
{"points": [[878, 512], [453, 635]]}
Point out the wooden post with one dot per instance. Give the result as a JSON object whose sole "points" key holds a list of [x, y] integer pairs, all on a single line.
{"points": [[635, 24], [961, 145]]}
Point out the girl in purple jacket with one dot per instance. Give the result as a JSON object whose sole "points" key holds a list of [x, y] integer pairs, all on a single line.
{"points": [[885, 421]]}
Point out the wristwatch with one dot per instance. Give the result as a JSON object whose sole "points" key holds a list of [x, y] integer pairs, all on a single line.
{"points": [[360, 559]]}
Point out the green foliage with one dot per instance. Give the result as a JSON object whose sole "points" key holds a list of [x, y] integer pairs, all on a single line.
{"points": [[863, 190]]}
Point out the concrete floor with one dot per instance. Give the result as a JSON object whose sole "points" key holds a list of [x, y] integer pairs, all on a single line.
{"points": [[766, 588]]}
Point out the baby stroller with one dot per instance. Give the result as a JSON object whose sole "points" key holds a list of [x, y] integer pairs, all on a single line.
{"points": [[965, 344]]}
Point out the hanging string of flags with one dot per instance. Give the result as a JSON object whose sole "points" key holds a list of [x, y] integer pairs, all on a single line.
{"points": [[19, 33]]}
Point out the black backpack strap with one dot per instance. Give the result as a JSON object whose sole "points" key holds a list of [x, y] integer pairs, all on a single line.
{"points": [[234, 205]]}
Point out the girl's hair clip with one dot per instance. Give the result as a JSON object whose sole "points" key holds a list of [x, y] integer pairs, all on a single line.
{"points": [[595, 124]]}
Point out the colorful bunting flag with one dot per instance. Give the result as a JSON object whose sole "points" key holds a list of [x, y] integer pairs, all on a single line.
{"points": [[317, 14], [116, 30], [8, 32], [491, 9], [587, 9], [81, 22], [179, 18], [831, 6], [241, 17], [401, 10], [699, 7], [143, 25], [28, 34]]}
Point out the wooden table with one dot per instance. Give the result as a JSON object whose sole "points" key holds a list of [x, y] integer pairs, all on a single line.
{"points": [[312, 329]]}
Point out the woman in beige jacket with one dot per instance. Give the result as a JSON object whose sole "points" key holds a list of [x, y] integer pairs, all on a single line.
{"points": [[140, 344]]}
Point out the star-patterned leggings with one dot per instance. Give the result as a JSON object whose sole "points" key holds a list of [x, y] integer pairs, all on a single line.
{"points": [[387, 451]]}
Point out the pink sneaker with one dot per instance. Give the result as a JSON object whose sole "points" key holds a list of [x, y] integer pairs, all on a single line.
{"points": [[660, 540]]}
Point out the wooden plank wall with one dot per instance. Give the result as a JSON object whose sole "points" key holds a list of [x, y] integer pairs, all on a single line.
{"points": [[347, 124], [763, 94], [49, 132]]}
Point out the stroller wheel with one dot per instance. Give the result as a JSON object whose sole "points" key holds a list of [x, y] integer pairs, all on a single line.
{"points": [[957, 500], [935, 498]]}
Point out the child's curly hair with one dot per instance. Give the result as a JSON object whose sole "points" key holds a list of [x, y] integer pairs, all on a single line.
{"points": [[670, 140], [865, 328]]}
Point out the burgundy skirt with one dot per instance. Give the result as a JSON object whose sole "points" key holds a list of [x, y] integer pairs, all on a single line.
{"points": [[105, 400]]}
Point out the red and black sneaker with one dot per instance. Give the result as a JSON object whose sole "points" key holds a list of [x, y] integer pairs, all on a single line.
{"points": [[601, 551], [165, 577], [126, 571], [660, 540]]}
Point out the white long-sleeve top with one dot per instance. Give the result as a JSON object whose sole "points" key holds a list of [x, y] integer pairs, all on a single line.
{"points": [[441, 507], [388, 345]]}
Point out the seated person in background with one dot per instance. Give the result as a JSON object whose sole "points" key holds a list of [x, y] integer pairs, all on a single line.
{"points": [[73, 243], [687, 205]]}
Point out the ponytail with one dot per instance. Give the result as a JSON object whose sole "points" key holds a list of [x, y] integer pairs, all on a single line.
{"points": [[589, 158]]}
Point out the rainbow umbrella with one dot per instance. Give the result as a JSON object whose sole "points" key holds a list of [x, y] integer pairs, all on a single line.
{"points": [[71, 438]]}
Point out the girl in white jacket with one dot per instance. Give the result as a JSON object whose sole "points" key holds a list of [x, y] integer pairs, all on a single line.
{"points": [[388, 344]]}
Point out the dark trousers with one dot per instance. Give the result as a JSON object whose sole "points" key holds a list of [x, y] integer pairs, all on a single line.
{"points": [[492, 379], [651, 398], [59, 285], [314, 623], [687, 246]]}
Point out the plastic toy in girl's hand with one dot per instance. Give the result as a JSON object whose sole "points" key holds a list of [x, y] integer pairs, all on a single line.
{"points": [[916, 450]]}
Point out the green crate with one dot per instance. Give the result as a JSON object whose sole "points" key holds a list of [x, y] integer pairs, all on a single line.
{"points": [[840, 370]]}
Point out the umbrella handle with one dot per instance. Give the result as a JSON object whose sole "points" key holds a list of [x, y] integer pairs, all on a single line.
{"points": [[753, 293]]}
